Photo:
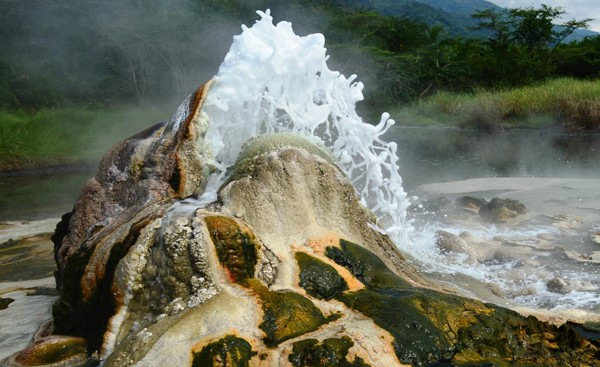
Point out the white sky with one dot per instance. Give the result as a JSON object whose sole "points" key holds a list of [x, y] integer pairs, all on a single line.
{"points": [[578, 9]]}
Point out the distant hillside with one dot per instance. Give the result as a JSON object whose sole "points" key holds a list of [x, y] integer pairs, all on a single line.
{"points": [[452, 15], [580, 34], [460, 7]]}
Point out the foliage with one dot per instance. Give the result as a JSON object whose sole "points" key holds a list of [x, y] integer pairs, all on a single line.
{"points": [[61, 59], [68, 52], [53, 136], [572, 103]]}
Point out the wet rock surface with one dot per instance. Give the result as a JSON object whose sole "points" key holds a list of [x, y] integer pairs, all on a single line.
{"points": [[4, 302], [285, 269], [542, 262], [501, 210]]}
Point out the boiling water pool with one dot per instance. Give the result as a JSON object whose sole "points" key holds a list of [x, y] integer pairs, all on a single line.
{"points": [[548, 258]]}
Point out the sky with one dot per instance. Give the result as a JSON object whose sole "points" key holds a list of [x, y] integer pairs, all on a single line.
{"points": [[578, 9]]}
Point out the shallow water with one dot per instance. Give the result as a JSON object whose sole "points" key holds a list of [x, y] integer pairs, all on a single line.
{"points": [[40, 194], [546, 259], [442, 153], [427, 155]]}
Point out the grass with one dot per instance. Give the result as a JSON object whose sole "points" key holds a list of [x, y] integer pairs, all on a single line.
{"points": [[573, 104], [60, 136]]}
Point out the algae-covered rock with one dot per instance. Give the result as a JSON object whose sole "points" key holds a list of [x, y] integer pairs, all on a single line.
{"points": [[320, 280], [55, 351], [236, 249], [229, 351], [330, 352], [470, 202], [286, 315], [501, 210], [285, 268], [4, 302], [429, 327]]}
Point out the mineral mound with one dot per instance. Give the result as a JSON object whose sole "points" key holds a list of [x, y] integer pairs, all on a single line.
{"points": [[285, 268]]}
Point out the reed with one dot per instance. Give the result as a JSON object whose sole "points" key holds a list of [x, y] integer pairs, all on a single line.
{"points": [[62, 136], [573, 104]]}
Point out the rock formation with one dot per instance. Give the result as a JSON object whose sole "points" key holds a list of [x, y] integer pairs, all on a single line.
{"points": [[286, 268]]}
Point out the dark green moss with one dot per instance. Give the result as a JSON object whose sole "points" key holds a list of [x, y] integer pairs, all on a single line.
{"points": [[391, 304], [4, 302], [231, 351], [588, 330], [329, 353], [365, 266], [53, 352], [319, 279], [286, 314], [416, 339], [236, 249], [430, 328]]}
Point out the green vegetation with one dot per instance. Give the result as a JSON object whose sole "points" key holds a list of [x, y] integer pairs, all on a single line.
{"points": [[286, 315], [236, 249], [320, 280], [330, 352], [431, 328], [571, 103], [59, 57], [228, 351], [55, 136]]}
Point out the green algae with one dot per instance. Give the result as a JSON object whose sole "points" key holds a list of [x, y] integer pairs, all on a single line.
{"points": [[434, 329], [236, 249], [416, 339], [329, 353], [229, 351], [4, 302], [365, 266], [286, 314], [320, 280], [53, 352], [265, 143]]}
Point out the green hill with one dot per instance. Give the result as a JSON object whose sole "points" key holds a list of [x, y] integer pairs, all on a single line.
{"points": [[454, 16]]}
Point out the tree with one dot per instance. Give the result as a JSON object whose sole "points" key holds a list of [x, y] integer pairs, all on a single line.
{"points": [[523, 41], [530, 27]]}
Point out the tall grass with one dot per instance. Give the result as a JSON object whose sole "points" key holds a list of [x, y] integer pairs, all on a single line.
{"points": [[574, 104], [67, 135]]}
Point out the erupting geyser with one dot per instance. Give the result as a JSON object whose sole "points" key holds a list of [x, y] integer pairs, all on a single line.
{"points": [[238, 235], [274, 81]]}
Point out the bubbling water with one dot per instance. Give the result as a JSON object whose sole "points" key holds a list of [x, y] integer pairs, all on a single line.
{"points": [[274, 81]]}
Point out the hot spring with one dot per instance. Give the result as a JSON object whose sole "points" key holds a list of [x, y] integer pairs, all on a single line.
{"points": [[274, 81]]}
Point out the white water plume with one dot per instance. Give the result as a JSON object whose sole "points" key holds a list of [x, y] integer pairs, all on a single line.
{"points": [[274, 81]]}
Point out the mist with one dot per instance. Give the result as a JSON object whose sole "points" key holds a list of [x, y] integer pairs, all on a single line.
{"points": [[447, 153], [151, 54]]}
